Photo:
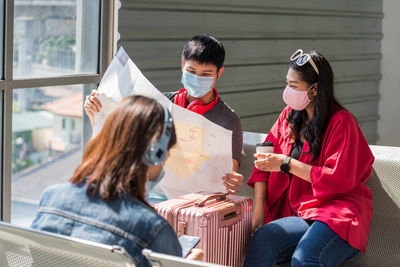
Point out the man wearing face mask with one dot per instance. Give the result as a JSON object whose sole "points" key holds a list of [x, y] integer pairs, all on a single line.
{"points": [[202, 65]]}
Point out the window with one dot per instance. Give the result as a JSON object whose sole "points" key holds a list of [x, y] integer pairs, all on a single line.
{"points": [[1, 36], [43, 143], [55, 52], [60, 37]]}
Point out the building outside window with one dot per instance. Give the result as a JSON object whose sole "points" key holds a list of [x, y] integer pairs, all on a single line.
{"points": [[63, 123], [58, 54]]}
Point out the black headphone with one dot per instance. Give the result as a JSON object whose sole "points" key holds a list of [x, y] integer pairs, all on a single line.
{"points": [[157, 151]]}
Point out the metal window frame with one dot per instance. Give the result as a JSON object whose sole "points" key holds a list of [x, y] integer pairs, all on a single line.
{"points": [[106, 51]]}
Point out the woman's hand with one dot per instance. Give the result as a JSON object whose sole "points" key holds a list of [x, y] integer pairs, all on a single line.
{"points": [[92, 105], [195, 254], [233, 182], [269, 162], [258, 219]]}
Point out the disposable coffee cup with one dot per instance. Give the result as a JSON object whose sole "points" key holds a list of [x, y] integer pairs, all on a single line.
{"points": [[267, 147]]}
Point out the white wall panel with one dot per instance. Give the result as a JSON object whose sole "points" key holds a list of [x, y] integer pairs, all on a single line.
{"points": [[259, 36]]}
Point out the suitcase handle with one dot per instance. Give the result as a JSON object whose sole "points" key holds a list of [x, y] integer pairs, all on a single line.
{"points": [[231, 215], [219, 196]]}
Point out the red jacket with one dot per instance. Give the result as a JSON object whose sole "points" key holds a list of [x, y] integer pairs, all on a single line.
{"points": [[337, 194]]}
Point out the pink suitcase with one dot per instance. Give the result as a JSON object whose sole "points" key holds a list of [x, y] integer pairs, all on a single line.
{"points": [[223, 223]]}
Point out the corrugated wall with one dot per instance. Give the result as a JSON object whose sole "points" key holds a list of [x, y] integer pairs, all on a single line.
{"points": [[259, 36]]}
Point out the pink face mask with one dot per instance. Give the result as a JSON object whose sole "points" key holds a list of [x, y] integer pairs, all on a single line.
{"points": [[297, 100]]}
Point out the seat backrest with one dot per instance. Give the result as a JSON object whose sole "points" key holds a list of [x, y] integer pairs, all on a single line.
{"points": [[164, 260], [383, 247], [20, 246]]}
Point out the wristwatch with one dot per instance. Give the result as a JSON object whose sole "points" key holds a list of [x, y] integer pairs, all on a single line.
{"points": [[285, 165]]}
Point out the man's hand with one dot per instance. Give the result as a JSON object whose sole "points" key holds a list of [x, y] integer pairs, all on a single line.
{"points": [[233, 182], [92, 105]]}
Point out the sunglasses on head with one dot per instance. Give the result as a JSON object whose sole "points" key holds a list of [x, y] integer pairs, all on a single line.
{"points": [[302, 58]]}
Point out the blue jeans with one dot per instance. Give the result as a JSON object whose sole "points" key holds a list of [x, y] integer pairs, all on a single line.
{"points": [[292, 239]]}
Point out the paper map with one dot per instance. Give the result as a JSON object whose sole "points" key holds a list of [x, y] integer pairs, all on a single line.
{"points": [[203, 153]]}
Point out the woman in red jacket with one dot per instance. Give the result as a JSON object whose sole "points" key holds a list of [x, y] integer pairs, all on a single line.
{"points": [[311, 192]]}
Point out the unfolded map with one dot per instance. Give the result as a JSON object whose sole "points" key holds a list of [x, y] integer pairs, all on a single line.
{"points": [[203, 153]]}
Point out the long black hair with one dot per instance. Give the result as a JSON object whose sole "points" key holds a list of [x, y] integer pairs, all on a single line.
{"points": [[325, 103]]}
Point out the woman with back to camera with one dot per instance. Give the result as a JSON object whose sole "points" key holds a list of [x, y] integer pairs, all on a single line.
{"points": [[311, 191], [105, 201]]}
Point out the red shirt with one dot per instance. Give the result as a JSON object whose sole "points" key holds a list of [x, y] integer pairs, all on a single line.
{"points": [[337, 194]]}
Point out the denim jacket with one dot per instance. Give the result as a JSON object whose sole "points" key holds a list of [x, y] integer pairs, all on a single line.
{"points": [[66, 209]]}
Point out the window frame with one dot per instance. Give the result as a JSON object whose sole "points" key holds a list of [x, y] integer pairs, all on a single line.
{"points": [[8, 84]]}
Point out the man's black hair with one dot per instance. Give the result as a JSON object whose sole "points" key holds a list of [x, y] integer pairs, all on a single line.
{"points": [[204, 49]]}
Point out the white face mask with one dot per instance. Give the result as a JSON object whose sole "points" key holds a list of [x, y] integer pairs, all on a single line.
{"points": [[196, 86], [151, 184], [297, 100]]}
